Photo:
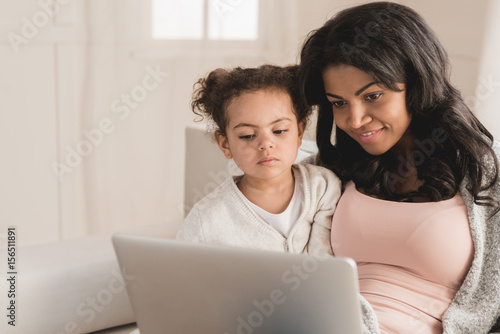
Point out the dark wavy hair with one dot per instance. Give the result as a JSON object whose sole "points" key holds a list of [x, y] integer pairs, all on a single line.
{"points": [[393, 44], [213, 93]]}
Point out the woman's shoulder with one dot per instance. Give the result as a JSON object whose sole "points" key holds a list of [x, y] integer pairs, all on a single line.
{"points": [[490, 160], [491, 163], [496, 148]]}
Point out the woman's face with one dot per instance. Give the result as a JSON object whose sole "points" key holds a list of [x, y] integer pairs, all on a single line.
{"points": [[373, 115]]}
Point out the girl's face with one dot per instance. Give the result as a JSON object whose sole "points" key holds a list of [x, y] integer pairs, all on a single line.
{"points": [[262, 134], [374, 116]]}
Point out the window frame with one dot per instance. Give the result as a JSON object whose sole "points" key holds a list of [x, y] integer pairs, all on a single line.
{"points": [[169, 48]]}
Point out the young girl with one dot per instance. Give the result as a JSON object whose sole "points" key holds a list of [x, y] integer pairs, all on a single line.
{"points": [[275, 205]]}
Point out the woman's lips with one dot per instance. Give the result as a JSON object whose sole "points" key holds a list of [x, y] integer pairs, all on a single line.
{"points": [[369, 136]]}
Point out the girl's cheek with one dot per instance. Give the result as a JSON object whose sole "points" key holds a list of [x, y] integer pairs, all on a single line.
{"points": [[246, 148]]}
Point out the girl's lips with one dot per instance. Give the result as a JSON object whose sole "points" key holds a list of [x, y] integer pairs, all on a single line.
{"points": [[268, 161], [369, 136]]}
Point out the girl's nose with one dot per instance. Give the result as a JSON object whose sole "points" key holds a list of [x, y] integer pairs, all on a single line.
{"points": [[266, 142]]}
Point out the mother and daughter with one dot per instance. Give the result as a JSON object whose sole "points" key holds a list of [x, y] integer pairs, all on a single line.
{"points": [[406, 181]]}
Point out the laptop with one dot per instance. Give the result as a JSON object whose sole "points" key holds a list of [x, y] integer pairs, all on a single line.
{"points": [[176, 287]]}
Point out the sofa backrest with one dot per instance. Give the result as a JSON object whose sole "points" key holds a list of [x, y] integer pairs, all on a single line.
{"points": [[206, 166]]}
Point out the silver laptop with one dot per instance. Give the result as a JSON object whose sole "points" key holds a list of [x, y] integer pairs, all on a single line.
{"points": [[177, 287]]}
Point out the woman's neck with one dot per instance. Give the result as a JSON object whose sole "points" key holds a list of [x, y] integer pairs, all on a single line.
{"points": [[405, 172], [403, 148]]}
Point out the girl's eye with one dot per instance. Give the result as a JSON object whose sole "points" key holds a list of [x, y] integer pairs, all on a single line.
{"points": [[247, 137], [278, 132], [338, 104], [373, 96]]}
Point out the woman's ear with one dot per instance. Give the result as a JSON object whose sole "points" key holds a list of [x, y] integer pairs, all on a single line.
{"points": [[223, 144]]}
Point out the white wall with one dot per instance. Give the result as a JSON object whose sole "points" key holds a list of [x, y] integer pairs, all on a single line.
{"points": [[29, 93], [461, 28], [487, 102], [65, 79]]}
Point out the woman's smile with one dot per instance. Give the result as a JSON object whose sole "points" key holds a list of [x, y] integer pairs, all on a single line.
{"points": [[369, 136]]}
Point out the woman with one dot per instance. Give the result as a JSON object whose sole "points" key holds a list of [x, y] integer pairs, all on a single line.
{"points": [[420, 202]]}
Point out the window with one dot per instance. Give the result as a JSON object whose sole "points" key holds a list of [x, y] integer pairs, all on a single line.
{"points": [[238, 29], [210, 20]]}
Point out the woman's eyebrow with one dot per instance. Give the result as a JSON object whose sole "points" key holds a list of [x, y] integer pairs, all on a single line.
{"points": [[357, 92], [364, 87]]}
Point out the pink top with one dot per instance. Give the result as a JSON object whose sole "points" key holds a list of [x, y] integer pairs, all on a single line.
{"points": [[412, 257]]}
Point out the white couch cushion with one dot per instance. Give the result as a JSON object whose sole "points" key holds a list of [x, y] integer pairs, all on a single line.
{"points": [[74, 286]]}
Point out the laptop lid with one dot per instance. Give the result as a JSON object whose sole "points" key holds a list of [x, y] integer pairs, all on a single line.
{"points": [[178, 287]]}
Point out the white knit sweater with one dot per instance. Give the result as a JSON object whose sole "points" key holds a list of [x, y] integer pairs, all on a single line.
{"points": [[224, 217]]}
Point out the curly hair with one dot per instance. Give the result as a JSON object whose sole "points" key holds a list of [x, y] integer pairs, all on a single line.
{"points": [[393, 44], [213, 93]]}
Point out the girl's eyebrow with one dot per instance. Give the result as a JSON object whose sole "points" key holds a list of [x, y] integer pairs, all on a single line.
{"points": [[357, 92], [240, 125]]}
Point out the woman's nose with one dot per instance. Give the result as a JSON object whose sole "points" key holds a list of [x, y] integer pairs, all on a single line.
{"points": [[358, 116]]}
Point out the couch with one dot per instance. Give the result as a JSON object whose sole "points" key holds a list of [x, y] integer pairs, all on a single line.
{"points": [[75, 286]]}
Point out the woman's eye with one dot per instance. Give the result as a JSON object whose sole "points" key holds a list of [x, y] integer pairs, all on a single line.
{"points": [[338, 104], [373, 96], [278, 132]]}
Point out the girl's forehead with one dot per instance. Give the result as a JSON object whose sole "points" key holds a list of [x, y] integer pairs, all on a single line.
{"points": [[260, 106], [261, 97], [268, 92]]}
